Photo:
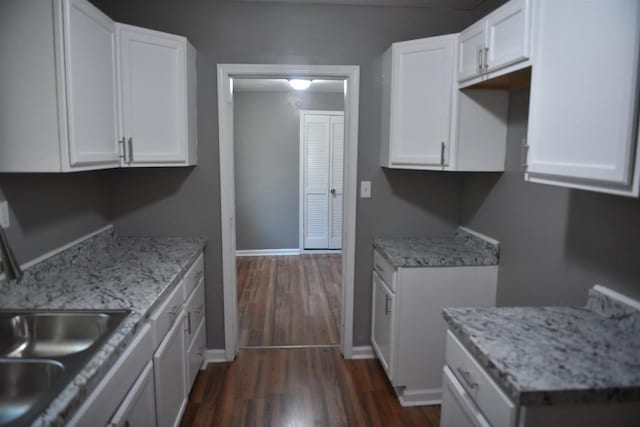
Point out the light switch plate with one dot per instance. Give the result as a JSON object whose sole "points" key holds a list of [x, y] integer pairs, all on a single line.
{"points": [[4, 214], [365, 189]]}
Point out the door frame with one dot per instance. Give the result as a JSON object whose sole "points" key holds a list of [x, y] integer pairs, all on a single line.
{"points": [[225, 74], [301, 204]]}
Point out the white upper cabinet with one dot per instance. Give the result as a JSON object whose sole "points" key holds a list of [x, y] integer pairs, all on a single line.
{"points": [[497, 44], [584, 95], [427, 123], [90, 80], [69, 92], [471, 50], [157, 84], [58, 108], [417, 94]]}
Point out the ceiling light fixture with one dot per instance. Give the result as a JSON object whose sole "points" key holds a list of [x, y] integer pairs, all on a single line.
{"points": [[299, 84]]}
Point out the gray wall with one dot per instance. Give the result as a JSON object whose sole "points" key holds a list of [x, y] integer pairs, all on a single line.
{"points": [[187, 201], [555, 242], [266, 144], [49, 210]]}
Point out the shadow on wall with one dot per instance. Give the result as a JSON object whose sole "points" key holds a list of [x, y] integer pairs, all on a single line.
{"points": [[39, 200], [434, 194], [152, 189], [602, 237]]}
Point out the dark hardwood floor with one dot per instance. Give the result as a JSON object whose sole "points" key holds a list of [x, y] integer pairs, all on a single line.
{"points": [[289, 300], [299, 387]]}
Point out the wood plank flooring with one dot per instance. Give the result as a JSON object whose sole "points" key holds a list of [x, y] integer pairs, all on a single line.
{"points": [[299, 387], [289, 300]]}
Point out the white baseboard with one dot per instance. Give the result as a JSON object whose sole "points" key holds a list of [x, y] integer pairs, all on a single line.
{"points": [[267, 252], [321, 251], [363, 352], [216, 355], [419, 397]]}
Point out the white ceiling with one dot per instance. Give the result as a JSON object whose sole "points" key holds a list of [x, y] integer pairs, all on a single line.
{"points": [[282, 85], [436, 4]]}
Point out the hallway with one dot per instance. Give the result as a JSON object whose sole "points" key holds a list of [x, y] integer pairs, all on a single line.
{"points": [[289, 300], [299, 387]]}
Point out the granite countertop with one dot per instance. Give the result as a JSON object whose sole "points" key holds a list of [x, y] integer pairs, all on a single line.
{"points": [[556, 355], [460, 249], [103, 272]]}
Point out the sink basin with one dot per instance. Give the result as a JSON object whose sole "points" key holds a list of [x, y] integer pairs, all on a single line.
{"points": [[42, 351], [22, 383], [50, 334]]}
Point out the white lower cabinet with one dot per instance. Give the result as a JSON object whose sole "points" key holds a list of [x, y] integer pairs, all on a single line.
{"points": [[138, 409], [195, 354], [408, 333], [149, 384], [470, 398], [383, 322], [169, 367]]}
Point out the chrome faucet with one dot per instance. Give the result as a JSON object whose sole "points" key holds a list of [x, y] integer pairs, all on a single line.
{"points": [[10, 266]]}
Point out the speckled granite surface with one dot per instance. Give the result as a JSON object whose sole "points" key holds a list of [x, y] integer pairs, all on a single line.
{"points": [[555, 355], [104, 272], [460, 249]]}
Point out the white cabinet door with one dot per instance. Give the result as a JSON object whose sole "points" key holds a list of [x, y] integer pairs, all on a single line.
{"points": [[195, 353], [421, 94], [508, 30], [458, 409], [153, 96], [383, 315], [584, 94], [90, 64], [138, 409], [471, 44], [169, 367], [336, 178]]}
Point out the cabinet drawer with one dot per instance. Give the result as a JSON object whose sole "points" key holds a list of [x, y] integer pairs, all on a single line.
{"points": [[385, 270], [193, 276], [195, 310], [487, 396], [167, 313], [195, 354]]}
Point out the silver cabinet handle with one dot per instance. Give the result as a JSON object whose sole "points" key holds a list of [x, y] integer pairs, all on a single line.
{"points": [[524, 153], [479, 58], [485, 60], [189, 323], [387, 306], [442, 146], [130, 141], [466, 376], [123, 151]]}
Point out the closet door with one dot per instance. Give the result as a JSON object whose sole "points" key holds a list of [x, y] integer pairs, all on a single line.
{"points": [[336, 197], [316, 138]]}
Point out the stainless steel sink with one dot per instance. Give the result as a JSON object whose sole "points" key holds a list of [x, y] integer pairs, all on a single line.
{"points": [[22, 385], [42, 351], [52, 334]]}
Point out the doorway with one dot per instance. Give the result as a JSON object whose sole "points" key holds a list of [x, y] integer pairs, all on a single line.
{"points": [[288, 296], [226, 74]]}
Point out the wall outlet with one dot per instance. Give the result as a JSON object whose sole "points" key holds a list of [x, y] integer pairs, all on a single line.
{"points": [[4, 214], [365, 189]]}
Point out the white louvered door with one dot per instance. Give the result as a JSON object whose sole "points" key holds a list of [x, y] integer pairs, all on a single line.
{"points": [[336, 195], [323, 141]]}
